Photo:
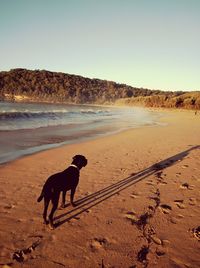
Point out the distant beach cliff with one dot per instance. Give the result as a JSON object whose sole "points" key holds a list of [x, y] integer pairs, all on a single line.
{"points": [[45, 86]]}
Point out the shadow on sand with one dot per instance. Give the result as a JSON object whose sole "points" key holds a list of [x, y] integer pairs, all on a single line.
{"points": [[89, 201]]}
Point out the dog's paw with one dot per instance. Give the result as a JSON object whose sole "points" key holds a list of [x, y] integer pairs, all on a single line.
{"points": [[62, 206], [73, 205], [51, 226]]}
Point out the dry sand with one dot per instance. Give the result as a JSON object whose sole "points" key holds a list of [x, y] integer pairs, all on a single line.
{"points": [[138, 202]]}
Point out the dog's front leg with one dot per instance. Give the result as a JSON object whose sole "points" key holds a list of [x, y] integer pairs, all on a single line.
{"points": [[63, 199], [72, 197]]}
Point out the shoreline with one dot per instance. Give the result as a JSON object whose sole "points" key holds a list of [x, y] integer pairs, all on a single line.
{"points": [[143, 172], [162, 122], [17, 143], [51, 146]]}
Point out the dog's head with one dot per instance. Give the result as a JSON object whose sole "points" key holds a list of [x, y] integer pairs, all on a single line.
{"points": [[80, 161]]}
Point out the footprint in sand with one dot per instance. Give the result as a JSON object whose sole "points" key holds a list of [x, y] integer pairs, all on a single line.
{"points": [[142, 255], [98, 243], [176, 219], [196, 232], [109, 222], [150, 183], [135, 195], [156, 240], [186, 186], [9, 206], [181, 206], [166, 209], [192, 201], [21, 255], [159, 175], [179, 203], [76, 218], [162, 182], [88, 211], [124, 170], [88, 193], [166, 243], [180, 216], [185, 166], [131, 216], [160, 251]]}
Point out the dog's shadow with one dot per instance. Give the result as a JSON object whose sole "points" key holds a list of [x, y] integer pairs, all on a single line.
{"points": [[89, 201]]}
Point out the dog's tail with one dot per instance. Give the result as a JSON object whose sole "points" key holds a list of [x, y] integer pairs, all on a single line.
{"points": [[40, 197]]}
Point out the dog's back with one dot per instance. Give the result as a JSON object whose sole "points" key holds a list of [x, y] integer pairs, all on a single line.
{"points": [[67, 179]]}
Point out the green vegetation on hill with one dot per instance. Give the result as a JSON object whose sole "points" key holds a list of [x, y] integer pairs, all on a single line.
{"points": [[60, 87], [46, 86], [189, 100]]}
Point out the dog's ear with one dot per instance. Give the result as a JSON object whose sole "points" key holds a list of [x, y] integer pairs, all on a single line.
{"points": [[77, 157], [84, 162]]}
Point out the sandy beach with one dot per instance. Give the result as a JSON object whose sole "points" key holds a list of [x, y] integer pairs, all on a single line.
{"points": [[138, 202]]}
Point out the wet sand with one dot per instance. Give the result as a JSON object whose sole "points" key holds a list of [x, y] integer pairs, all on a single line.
{"points": [[138, 202], [18, 143]]}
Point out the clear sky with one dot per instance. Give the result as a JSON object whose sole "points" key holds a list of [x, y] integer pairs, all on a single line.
{"points": [[143, 43]]}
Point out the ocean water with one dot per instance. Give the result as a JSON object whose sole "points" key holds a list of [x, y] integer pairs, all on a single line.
{"points": [[27, 128]]}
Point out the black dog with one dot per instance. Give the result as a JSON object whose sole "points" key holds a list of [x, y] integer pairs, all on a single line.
{"points": [[61, 182]]}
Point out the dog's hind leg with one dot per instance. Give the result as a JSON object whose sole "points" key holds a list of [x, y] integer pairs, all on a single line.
{"points": [[63, 199], [55, 200], [46, 204]]}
